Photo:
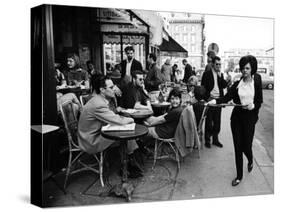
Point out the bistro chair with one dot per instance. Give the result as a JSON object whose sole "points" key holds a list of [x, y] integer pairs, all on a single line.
{"points": [[75, 152], [160, 142], [85, 98]]}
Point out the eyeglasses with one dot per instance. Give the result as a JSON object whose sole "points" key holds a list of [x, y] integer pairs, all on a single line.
{"points": [[218, 64], [141, 79]]}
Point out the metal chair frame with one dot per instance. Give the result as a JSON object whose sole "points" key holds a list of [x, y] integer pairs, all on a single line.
{"points": [[74, 147], [158, 143]]}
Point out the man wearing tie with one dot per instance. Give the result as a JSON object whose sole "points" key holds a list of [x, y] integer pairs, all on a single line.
{"points": [[214, 83]]}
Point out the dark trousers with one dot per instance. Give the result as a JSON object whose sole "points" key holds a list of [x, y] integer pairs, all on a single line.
{"points": [[212, 124], [243, 129]]}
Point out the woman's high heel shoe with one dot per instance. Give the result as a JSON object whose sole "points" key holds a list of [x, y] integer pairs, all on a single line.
{"points": [[235, 182], [250, 167]]}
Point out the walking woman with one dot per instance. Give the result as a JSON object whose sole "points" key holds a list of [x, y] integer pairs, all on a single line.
{"points": [[247, 92]]}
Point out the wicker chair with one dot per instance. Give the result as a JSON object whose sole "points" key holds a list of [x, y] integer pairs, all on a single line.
{"points": [[71, 126], [159, 142], [85, 98]]}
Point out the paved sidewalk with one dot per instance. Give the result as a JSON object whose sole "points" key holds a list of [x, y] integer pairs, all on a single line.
{"points": [[205, 177]]}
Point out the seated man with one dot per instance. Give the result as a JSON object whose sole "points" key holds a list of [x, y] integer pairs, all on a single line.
{"points": [[164, 126], [96, 113], [134, 94]]}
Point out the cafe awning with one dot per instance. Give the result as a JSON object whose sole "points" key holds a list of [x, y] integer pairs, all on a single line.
{"points": [[171, 47]]}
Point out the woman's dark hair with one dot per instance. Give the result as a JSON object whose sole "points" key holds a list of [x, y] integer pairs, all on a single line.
{"points": [[249, 59], [175, 92], [153, 56], [99, 82], [76, 59]]}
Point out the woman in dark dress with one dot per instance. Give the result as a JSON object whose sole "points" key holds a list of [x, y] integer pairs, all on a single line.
{"points": [[247, 92]]}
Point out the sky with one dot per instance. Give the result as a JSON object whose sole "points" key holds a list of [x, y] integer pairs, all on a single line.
{"points": [[239, 32]]}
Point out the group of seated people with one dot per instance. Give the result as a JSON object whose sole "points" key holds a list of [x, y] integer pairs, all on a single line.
{"points": [[103, 109]]}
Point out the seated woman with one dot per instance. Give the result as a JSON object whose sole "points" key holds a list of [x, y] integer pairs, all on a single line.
{"points": [[75, 75], [164, 126]]}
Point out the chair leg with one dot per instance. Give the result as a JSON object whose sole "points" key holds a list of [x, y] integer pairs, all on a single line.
{"points": [[155, 153], [101, 169], [68, 169], [178, 159]]}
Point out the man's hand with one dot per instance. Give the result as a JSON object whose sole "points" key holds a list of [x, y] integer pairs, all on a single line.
{"points": [[119, 109], [117, 91], [212, 102]]}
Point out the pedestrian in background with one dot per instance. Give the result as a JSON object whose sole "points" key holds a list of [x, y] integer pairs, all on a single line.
{"points": [[247, 92], [166, 71], [210, 56], [152, 80], [187, 70]]}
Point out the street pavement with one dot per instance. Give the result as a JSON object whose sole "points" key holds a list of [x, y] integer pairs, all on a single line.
{"points": [[209, 176]]}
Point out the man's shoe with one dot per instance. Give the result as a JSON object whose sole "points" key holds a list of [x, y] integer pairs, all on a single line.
{"points": [[235, 182], [218, 144], [208, 145], [250, 167]]}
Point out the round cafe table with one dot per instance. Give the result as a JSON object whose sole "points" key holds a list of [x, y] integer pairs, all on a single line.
{"points": [[124, 137], [139, 115]]}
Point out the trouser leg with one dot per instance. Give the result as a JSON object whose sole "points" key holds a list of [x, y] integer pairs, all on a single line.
{"points": [[131, 146], [209, 125], [216, 123], [248, 136], [237, 136]]}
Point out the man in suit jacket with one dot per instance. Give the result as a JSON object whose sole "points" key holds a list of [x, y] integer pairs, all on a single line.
{"points": [[130, 64], [214, 83], [97, 113]]}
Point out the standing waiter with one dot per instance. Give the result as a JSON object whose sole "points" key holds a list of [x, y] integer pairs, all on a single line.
{"points": [[214, 83]]}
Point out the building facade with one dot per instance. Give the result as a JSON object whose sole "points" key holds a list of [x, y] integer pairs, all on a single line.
{"points": [[188, 30]]}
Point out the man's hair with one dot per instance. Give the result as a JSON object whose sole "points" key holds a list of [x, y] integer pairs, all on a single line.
{"points": [[249, 59], [99, 82], [215, 58], [153, 56], [76, 59], [175, 92], [137, 72], [129, 48], [184, 61]]}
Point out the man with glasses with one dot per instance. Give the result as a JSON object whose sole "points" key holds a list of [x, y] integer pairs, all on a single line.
{"points": [[98, 112], [214, 83], [134, 94]]}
